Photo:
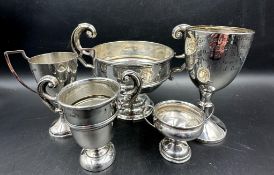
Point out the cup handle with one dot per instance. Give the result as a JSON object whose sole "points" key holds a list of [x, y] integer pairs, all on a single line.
{"points": [[51, 82], [6, 54], [176, 70], [144, 112], [129, 74], [77, 47], [178, 32]]}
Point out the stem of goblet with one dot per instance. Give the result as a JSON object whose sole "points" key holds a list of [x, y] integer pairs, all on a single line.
{"points": [[205, 99], [62, 116]]}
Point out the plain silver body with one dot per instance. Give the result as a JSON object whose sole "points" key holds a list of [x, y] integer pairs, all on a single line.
{"points": [[214, 56], [179, 122], [89, 107], [150, 61], [61, 65]]}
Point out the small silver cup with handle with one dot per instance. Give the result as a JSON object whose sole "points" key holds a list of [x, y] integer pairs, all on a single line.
{"points": [[214, 56], [179, 122], [89, 107], [61, 65]]}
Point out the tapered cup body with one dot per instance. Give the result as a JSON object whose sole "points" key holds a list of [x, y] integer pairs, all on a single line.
{"points": [[216, 54]]}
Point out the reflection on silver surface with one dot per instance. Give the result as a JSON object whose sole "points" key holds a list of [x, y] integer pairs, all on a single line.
{"points": [[89, 107], [150, 61], [179, 122], [61, 65], [214, 56]]}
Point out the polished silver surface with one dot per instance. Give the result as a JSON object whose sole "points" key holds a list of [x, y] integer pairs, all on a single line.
{"points": [[175, 151], [89, 106], [179, 122], [214, 56], [99, 159], [151, 62], [61, 65], [134, 109], [59, 128]]}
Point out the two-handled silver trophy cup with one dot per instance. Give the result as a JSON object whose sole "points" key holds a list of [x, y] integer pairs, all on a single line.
{"points": [[88, 108], [62, 66], [150, 61], [214, 56]]}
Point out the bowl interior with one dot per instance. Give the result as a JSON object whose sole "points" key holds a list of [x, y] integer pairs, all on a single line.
{"points": [[132, 52], [89, 93], [179, 114]]}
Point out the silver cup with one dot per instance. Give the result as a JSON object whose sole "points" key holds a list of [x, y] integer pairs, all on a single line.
{"points": [[179, 122], [61, 65], [89, 107], [151, 62], [214, 56]]}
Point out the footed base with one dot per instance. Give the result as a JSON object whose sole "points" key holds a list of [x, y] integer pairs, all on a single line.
{"points": [[97, 159], [59, 128], [175, 151], [137, 111], [214, 131]]}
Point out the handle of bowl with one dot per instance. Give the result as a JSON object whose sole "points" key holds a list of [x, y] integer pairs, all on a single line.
{"points": [[178, 32], [47, 81], [176, 70], [144, 112], [77, 47], [22, 52], [137, 83]]}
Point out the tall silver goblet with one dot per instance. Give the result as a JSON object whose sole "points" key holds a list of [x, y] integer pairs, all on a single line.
{"points": [[214, 56], [61, 65]]}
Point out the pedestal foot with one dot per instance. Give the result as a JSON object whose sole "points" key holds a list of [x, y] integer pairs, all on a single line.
{"points": [[97, 159], [59, 128], [175, 151], [214, 131]]}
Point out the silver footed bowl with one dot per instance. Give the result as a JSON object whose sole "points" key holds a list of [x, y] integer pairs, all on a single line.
{"points": [[89, 107], [61, 65], [150, 61], [179, 122], [214, 56]]}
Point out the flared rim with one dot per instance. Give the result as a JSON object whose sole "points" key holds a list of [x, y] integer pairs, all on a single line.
{"points": [[79, 82], [71, 55], [221, 29], [134, 41], [186, 104]]}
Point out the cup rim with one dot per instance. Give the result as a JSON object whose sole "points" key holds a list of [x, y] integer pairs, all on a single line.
{"points": [[226, 29], [81, 82], [73, 54], [190, 105], [135, 41]]}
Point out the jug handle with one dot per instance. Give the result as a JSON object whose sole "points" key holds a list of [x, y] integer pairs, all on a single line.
{"points": [[6, 54], [76, 45], [51, 82], [129, 74], [178, 32]]}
